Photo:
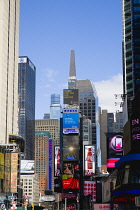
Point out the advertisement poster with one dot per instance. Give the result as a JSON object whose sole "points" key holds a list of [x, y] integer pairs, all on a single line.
{"points": [[57, 161], [115, 149], [70, 176], [70, 96], [70, 148], [14, 172], [1, 165], [27, 167], [89, 160], [7, 172], [70, 122], [50, 165], [90, 189]]}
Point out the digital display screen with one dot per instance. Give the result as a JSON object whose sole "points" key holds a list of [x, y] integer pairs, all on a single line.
{"points": [[70, 147], [70, 176], [89, 160], [70, 123]]}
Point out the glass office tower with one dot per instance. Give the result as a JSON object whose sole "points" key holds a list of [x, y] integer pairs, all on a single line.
{"points": [[131, 46], [88, 102], [26, 90]]}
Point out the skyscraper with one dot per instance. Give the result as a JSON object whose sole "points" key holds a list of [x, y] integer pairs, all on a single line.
{"points": [[88, 103], [26, 90], [9, 41], [50, 125], [55, 107], [72, 72], [131, 46], [42, 160]]}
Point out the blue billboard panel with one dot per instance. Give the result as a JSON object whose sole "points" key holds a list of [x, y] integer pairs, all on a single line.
{"points": [[70, 123], [50, 165]]}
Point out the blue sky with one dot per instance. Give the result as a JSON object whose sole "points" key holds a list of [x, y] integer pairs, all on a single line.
{"points": [[50, 29]]}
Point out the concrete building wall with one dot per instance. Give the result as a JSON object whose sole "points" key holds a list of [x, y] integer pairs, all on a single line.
{"points": [[9, 41], [51, 125]]}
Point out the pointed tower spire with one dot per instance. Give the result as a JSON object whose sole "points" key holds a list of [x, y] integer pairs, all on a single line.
{"points": [[72, 72]]}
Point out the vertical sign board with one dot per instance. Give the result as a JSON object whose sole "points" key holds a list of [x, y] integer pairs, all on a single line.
{"points": [[70, 121], [57, 161], [89, 160], [50, 165], [135, 132], [114, 148], [1, 165], [7, 172], [90, 189], [14, 172]]}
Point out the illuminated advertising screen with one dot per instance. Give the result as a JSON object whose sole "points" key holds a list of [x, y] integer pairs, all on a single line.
{"points": [[70, 96], [70, 148], [14, 172], [70, 121], [57, 161], [50, 164], [70, 176], [90, 189], [27, 167], [114, 148], [89, 160], [1, 165], [135, 132]]}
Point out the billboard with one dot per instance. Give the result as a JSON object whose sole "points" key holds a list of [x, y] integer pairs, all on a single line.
{"points": [[114, 148], [7, 178], [27, 167], [70, 176], [90, 189], [135, 132], [50, 164], [14, 172], [70, 121], [70, 148], [57, 161], [1, 165], [70, 96], [89, 160]]}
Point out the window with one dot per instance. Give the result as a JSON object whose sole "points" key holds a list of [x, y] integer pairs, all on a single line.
{"points": [[116, 126]]}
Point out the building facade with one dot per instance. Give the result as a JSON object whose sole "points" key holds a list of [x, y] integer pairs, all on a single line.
{"points": [[26, 90], [43, 163], [131, 48], [30, 184], [9, 42], [51, 125]]}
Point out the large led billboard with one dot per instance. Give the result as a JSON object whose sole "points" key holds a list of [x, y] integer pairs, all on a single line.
{"points": [[70, 121], [27, 167], [114, 148], [70, 148], [89, 160], [135, 132], [90, 189], [50, 153], [57, 161], [70, 176], [70, 96]]}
